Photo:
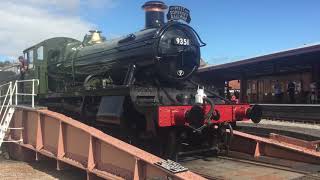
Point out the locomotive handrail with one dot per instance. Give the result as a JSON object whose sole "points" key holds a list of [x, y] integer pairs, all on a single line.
{"points": [[171, 24], [202, 43]]}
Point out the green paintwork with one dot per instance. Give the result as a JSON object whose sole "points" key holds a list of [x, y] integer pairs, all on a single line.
{"points": [[38, 68], [67, 62]]}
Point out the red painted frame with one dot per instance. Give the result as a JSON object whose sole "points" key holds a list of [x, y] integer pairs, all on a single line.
{"points": [[175, 115]]}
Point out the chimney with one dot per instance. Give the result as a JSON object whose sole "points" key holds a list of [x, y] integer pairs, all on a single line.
{"points": [[154, 13]]}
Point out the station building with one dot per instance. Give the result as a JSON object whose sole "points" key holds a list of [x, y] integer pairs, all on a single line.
{"points": [[258, 76]]}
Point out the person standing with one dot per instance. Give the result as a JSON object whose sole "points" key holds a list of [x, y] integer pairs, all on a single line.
{"points": [[23, 67], [234, 99], [313, 93], [278, 91], [291, 91]]}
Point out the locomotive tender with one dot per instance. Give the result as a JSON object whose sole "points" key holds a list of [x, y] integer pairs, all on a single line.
{"points": [[142, 84]]}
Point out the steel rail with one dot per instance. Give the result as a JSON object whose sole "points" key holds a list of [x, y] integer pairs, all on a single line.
{"points": [[269, 165], [207, 176]]}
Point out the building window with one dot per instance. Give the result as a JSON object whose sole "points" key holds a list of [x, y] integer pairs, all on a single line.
{"points": [[40, 53]]}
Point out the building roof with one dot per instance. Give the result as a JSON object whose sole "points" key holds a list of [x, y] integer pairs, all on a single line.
{"points": [[267, 57], [298, 59]]}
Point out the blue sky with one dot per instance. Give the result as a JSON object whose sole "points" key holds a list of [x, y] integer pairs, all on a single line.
{"points": [[232, 29]]}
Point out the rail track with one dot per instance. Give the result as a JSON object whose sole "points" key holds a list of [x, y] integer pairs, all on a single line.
{"points": [[264, 164], [224, 167]]}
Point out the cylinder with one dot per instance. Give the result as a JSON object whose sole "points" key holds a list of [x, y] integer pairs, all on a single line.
{"points": [[154, 14]]}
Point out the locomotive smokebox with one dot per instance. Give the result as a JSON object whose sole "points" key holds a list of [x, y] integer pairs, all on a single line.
{"points": [[154, 13]]}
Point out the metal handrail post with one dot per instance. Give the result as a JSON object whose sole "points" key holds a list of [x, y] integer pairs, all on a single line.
{"points": [[11, 92], [32, 93], [4, 101], [16, 94]]}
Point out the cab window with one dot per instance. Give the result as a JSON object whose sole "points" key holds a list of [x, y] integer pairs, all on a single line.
{"points": [[30, 59], [40, 53]]}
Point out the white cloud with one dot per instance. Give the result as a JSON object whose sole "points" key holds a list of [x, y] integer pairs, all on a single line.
{"points": [[67, 6], [24, 23]]}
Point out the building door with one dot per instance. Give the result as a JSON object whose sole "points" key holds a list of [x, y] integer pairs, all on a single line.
{"points": [[260, 91]]}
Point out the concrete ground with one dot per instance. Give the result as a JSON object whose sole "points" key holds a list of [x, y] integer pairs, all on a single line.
{"points": [[299, 130], [44, 170]]}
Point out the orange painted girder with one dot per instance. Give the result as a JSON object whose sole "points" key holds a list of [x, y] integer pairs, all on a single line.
{"points": [[72, 142]]}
